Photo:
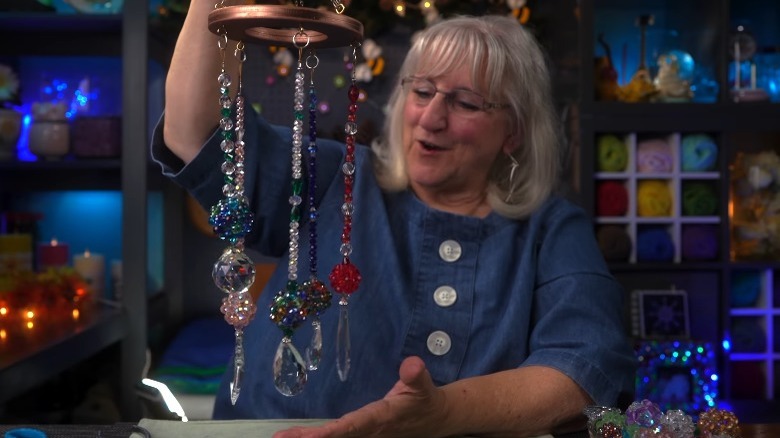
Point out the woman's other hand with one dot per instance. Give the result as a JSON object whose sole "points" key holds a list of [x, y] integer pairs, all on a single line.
{"points": [[414, 407]]}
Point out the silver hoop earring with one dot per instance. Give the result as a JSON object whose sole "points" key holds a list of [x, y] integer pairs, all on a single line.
{"points": [[514, 165]]}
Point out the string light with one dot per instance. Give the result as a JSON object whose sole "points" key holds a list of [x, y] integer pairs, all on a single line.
{"points": [[400, 8]]}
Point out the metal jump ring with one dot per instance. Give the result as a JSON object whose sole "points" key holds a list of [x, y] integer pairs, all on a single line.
{"points": [[301, 33], [315, 62]]}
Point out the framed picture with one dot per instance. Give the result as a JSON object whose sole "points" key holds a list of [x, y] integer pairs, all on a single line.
{"points": [[663, 314], [677, 375]]}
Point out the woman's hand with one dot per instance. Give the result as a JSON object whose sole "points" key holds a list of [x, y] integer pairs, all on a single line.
{"points": [[521, 402], [414, 407]]}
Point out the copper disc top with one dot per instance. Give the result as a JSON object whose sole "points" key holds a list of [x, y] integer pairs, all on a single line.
{"points": [[279, 25]]}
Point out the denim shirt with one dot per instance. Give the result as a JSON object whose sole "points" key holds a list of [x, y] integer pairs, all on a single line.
{"points": [[470, 296]]}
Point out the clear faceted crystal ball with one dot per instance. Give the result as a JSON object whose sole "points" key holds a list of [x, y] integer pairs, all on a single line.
{"points": [[234, 271]]}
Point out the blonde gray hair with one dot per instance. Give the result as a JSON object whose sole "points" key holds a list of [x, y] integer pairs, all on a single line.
{"points": [[508, 66]]}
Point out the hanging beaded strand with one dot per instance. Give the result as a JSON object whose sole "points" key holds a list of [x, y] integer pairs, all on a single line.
{"points": [[288, 308], [231, 217], [318, 297], [345, 277]]}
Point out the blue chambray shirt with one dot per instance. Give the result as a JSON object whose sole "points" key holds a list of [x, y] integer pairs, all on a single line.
{"points": [[470, 296]]}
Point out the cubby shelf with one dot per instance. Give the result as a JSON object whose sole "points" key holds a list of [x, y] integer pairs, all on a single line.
{"points": [[653, 160], [755, 328], [703, 28]]}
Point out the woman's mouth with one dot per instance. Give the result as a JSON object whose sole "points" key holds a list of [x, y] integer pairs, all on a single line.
{"points": [[430, 146]]}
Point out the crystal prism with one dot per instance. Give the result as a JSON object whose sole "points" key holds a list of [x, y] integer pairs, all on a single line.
{"points": [[342, 341], [289, 369], [235, 384], [314, 351], [238, 367]]}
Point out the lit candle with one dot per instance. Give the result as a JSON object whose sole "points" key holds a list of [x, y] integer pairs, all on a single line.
{"points": [[52, 254], [92, 268]]}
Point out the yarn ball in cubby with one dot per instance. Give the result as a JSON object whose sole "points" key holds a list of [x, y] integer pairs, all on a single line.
{"points": [[614, 242], [699, 199], [612, 154], [654, 199], [748, 379], [745, 289], [700, 242], [698, 153], [611, 198], [747, 335], [654, 156], [654, 244]]}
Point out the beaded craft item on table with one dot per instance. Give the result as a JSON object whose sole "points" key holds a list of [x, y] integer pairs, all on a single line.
{"points": [[644, 419], [305, 29]]}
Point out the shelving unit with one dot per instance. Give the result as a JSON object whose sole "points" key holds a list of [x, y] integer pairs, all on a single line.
{"points": [[126, 36], [652, 163], [754, 330], [703, 29]]}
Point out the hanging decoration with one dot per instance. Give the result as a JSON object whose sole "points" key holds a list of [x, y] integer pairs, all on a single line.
{"points": [[374, 63], [305, 29], [231, 217], [345, 277]]}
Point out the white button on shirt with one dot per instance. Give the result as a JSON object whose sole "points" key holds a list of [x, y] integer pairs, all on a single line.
{"points": [[439, 343], [449, 250], [445, 296]]}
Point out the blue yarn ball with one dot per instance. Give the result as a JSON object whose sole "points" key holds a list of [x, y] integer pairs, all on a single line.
{"points": [[699, 153], [745, 288], [654, 245]]}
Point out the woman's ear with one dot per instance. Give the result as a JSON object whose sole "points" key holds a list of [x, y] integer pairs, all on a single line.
{"points": [[511, 143]]}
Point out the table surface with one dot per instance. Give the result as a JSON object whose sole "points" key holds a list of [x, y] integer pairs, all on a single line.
{"points": [[29, 357], [124, 430], [767, 430]]}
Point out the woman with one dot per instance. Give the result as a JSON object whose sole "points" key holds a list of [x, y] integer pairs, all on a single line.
{"points": [[485, 306]]}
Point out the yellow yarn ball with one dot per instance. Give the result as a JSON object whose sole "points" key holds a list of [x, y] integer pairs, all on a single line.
{"points": [[654, 199]]}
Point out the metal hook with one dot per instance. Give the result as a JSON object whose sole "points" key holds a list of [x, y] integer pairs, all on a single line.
{"points": [[338, 6]]}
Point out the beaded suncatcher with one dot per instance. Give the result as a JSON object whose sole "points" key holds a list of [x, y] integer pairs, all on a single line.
{"points": [[305, 29]]}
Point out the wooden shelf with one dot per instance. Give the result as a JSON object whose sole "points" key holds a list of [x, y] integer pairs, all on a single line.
{"points": [[28, 359], [70, 174], [31, 34]]}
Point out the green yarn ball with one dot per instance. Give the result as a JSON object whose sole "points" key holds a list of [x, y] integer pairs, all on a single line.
{"points": [[612, 154]]}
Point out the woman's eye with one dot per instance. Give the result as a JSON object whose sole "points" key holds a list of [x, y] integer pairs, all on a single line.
{"points": [[423, 93], [467, 105]]}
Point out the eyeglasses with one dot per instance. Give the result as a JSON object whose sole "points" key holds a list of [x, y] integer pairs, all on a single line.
{"points": [[459, 101]]}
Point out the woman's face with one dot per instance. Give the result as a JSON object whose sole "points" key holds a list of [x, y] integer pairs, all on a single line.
{"points": [[449, 152]]}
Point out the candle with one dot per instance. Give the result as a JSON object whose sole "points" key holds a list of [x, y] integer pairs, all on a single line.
{"points": [[52, 254], [92, 268], [752, 75], [15, 252]]}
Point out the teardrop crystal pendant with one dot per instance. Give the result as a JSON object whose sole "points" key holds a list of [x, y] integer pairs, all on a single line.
{"points": [[238, 368], [342, 341], [314, 351], [289, 369]]}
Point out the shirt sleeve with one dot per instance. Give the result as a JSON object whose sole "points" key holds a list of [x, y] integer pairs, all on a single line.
{"points": [[578, 307]]}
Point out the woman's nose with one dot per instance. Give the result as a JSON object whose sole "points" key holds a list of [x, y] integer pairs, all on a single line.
{"points": [[434, 115]]}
